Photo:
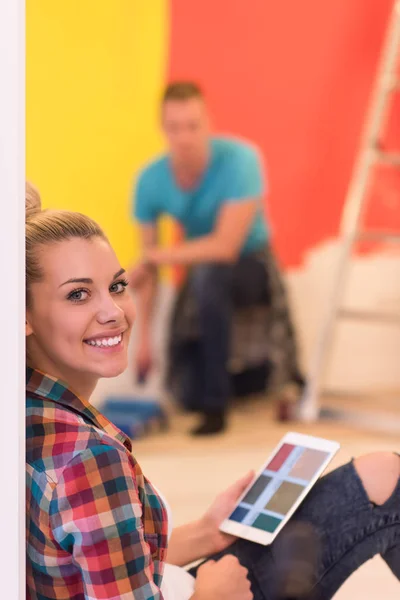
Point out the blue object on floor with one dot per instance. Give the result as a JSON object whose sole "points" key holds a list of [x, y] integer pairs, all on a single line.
{"points": [[142, 408], [128, 424], [134, 416]]}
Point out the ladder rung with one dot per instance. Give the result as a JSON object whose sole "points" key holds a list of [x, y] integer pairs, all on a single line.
{"points": [[388, 158], [362, 315], [378, 236]]}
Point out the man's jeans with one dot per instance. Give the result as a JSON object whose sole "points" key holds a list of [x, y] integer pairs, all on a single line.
{"points": [[218, 288]]}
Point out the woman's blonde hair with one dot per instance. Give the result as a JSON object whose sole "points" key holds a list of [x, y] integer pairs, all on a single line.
{"points": [[45, 227]]}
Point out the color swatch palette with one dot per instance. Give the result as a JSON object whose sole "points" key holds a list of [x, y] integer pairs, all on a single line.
{"points": [[278, 488]]}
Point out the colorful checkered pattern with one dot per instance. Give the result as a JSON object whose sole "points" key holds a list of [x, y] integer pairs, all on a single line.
{"points": [[96, 528]]}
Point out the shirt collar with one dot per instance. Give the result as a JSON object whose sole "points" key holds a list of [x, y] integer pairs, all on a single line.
{"points": [[50, 388]]}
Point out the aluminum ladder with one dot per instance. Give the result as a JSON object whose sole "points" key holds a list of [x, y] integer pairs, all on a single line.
{"points": [[351, 231]]}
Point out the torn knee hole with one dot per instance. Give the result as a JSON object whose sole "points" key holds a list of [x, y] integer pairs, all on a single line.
{"points": [[379, 473]]}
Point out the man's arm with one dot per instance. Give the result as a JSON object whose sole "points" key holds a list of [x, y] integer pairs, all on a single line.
{"points": [[146, 292], [222, 245]]}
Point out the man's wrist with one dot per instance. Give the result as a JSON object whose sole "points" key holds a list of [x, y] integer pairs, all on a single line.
{"points": [[149, 259]]}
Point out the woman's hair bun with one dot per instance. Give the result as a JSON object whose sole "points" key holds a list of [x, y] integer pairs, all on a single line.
{"points": [[33, 203]]}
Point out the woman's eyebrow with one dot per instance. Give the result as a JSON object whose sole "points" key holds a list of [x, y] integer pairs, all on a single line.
{"points": [[88, 279], [119, 273], [78, 280]]}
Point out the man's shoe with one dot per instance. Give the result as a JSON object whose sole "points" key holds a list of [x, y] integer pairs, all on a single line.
{"points": [[210, 425]]}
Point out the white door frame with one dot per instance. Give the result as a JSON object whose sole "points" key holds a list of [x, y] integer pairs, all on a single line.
{"points": [[12, 271]]}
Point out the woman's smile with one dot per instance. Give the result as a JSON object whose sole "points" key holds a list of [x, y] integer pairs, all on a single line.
{"points": [[107, 342]]}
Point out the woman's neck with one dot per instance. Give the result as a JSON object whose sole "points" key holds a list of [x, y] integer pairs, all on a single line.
{"points": [[81, 384]]}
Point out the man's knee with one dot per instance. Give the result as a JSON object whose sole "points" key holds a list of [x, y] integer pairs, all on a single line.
{"points": [[211, 281], [379, 473]]}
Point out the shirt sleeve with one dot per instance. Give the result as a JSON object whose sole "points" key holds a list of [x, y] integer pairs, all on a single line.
{"points": [[244, 177], [145, 208], [96, 516]]}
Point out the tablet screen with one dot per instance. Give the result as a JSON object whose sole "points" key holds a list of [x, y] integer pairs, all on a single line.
{"points": [[278, 487]]}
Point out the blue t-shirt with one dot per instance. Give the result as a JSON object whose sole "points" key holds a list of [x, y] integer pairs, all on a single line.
{"points": [[234, 173]]}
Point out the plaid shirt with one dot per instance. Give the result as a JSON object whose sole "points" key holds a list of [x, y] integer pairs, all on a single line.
{"points": [[96, 528]]}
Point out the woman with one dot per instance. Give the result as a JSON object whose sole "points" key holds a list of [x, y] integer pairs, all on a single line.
{"points": [[96, 527]]}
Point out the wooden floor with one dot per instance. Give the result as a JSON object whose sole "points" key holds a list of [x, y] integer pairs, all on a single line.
{"points": [[191, 471]]}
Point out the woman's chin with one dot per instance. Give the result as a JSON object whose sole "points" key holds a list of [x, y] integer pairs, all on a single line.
{"points": [[113, 370]]}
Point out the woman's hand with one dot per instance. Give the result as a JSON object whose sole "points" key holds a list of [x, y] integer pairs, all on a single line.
{"points": [[203, 538], [225, 579], [220, 509]]}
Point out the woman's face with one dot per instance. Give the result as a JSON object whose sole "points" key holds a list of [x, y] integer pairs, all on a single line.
{"points": [[81, 314]]}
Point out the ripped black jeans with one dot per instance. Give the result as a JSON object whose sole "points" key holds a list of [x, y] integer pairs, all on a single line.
{"points": [[351, 530]]}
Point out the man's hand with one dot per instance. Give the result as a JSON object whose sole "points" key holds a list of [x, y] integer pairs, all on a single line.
{"points": [[222, 580], [220, 509]]}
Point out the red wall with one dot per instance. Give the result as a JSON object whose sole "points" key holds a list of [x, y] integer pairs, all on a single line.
{"points": [[295, 78]]}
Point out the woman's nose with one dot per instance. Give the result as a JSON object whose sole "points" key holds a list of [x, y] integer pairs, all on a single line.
{"points": [[109, 311]]}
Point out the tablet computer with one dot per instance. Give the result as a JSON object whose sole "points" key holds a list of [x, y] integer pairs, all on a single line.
{"points": [[279, 487]]}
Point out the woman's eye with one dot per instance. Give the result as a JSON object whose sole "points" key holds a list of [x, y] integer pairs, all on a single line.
{"points": [[78, 295], [118, 287]]}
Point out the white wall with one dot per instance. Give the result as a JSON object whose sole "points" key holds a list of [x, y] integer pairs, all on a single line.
{"points": [[12, 354], [364, 355]]}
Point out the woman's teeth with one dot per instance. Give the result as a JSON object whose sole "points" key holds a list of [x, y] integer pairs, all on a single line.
{"points": [[104, 343]]}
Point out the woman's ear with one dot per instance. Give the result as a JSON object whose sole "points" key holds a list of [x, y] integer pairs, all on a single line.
{"points": [[28, 328]]}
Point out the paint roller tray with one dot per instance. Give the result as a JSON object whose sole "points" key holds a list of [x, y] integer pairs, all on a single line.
{"points": [[146, 412], [132, 427]]}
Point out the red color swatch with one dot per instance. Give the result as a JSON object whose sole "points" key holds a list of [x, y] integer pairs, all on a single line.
{"points": [[279, 458]]}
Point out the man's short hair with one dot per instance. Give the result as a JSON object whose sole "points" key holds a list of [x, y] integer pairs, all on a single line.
{"points": [[182, 90]]}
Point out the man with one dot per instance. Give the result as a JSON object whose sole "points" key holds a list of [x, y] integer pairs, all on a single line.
{"points": [[213, 186]]}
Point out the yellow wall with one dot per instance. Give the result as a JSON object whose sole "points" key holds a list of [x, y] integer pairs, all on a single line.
{"points": [[95, 69]]}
